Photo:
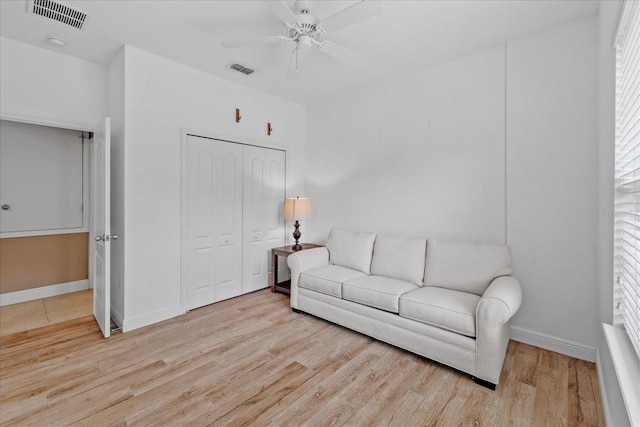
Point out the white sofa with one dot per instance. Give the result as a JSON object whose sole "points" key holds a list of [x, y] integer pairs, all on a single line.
{"points": [[449, 302]]}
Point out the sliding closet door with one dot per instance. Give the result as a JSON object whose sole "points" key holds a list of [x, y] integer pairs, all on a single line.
{"points": [[275, 195], [229, 226], [213, 263], [255, 275]]}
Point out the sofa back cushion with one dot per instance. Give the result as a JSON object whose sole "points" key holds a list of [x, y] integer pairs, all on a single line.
{"points": [[465, 267], [350, 249], [399, 257]]}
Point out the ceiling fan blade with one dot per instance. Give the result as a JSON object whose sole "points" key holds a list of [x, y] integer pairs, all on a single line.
{"points": [[281, 10], [232, 44], [295, 64], [342, 53], [351, 15]]}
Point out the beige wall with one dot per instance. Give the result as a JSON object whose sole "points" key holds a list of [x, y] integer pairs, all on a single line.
{"points": [[32, 262]]}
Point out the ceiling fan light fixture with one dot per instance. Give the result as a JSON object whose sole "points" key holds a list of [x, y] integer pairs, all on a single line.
{"points": [[304, 43]]}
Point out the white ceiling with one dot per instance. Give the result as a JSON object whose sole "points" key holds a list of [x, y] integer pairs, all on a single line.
{"points": [[404, 37]]}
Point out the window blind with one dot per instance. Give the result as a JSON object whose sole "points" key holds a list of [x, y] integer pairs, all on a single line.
{"points": [[627, 173]]}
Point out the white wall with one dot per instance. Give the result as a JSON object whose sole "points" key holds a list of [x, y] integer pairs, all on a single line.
{"points": [[41, 178], [552, 216], [420, 156], [162, 98], [41, 86], [426, 155]]}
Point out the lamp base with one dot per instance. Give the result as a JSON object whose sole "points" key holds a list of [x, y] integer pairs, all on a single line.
{"points": [[296, 235]]}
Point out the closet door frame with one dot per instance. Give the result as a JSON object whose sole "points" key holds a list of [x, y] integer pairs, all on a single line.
{"points": [[185, 133]]}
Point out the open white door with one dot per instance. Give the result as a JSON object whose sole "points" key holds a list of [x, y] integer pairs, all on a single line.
{"points": [[100, 225]]}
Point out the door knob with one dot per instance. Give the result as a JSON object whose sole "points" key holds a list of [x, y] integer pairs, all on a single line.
{"points": [[6, 207], [106, 238]]}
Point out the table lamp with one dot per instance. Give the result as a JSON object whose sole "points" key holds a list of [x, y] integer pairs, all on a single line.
{"points": [[294, 210]]}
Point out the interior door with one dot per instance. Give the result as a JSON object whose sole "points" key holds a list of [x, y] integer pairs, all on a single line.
{"points": [[275, 195], [229, 220], [100, 225], [255, 255], [213, 262]]}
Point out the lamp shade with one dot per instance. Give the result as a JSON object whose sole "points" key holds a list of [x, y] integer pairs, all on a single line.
{"points": [[297, 209]]}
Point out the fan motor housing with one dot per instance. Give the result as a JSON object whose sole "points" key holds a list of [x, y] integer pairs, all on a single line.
{"points": [[306, 25]]}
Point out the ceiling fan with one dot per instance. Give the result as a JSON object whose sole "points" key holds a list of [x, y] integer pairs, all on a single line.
{"points": [[308, 31]]}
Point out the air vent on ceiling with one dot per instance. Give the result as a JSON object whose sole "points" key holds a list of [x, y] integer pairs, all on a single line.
{"points": [[58, 12], [241, 69]]}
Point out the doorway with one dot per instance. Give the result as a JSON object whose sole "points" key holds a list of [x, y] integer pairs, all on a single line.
{"points": [[24, 316], [44, 234]]}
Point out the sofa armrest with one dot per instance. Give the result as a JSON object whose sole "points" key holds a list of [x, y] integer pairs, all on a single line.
{"points": [[497, 306], [303, 261], [500, 301]]}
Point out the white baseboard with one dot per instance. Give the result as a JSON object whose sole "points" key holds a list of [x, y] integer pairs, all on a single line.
{"points": [[559, 345], [149, 319], [43, 292]]}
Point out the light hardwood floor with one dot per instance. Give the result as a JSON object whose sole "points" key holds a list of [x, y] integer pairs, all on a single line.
{"points": [[251, 361], [45, 311]]}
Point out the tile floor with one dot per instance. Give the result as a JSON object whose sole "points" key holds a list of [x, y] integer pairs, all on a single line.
{"points": [[46, 311]]}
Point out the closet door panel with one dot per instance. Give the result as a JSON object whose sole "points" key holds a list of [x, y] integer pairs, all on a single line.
{"points": [[255, 191], [230, 272], [203, 272], [255, 256], [229, 220], [214, 224], [275, 195], [200, 272], [230, 193], [205, 160]]}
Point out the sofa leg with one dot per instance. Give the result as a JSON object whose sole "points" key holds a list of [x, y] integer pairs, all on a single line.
{"points": [[484, 383]]}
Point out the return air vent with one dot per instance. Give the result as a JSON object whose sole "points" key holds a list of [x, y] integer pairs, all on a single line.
{"points": [[241, 69], [58, 12]]}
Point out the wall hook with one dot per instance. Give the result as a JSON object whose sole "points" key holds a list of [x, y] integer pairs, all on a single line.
{"points": [[269, 128], [238, 116]]}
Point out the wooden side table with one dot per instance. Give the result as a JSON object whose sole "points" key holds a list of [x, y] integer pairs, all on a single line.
{"points": [[284, 251]]}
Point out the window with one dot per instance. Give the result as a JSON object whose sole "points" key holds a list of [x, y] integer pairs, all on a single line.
{"points": [[627, 173]]}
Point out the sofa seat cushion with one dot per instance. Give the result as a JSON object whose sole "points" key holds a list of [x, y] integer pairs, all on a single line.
{"points": [[327, 279], [445, 308], [376, 291]]}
